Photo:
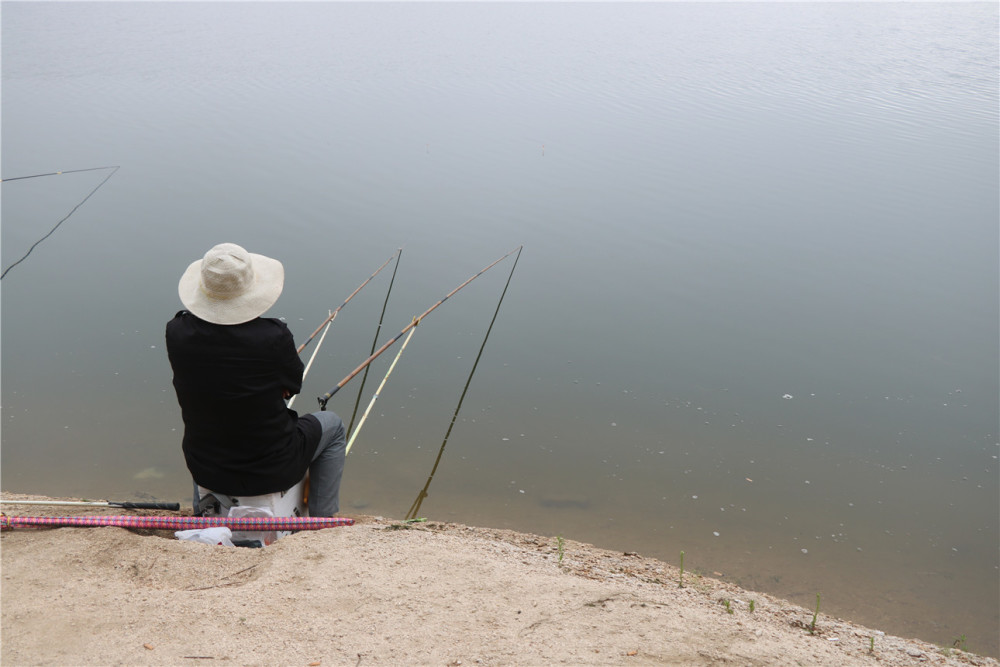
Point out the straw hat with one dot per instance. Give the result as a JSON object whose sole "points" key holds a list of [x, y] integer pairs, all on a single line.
{"points": [[230, 285]]}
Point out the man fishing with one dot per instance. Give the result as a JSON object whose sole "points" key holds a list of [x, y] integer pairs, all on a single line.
{"points": [[233, 371]]}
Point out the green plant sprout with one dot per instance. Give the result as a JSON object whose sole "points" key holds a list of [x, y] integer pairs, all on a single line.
{"points": [[562, 544], [812, 628], [753, 605], [681, 582]]}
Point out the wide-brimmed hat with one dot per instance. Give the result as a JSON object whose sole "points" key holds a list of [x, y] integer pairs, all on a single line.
{"points": [[230, 285]]}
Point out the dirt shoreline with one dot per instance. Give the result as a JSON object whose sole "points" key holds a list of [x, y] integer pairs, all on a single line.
{"points": [[383, 592]]}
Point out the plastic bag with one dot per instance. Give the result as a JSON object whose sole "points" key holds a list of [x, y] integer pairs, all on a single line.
{"points": [[248, 536], [219, 535]]}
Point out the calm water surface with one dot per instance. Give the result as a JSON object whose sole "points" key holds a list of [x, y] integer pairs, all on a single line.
{"points": [[756, 316]]}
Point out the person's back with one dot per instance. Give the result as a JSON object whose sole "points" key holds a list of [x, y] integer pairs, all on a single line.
{"points": [[230, 380], [232, 371]]}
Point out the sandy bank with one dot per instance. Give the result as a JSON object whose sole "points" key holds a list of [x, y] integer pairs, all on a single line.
{"points": [[385, 593]]}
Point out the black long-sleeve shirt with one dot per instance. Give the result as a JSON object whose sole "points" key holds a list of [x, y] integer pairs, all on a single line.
{"points": [[239, 437]]}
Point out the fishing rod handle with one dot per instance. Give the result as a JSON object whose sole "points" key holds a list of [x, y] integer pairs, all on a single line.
{"points": [[326, 397], [148, 506]]}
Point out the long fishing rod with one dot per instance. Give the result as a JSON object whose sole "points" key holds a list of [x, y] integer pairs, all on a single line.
{"points": [[333, 314], [125, 504], [52, 231], [416, 320], [56, 173], [415, 507]]}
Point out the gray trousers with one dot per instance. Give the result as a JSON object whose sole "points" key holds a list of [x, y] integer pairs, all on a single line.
{"points": [[327, 466], [326, 469]]}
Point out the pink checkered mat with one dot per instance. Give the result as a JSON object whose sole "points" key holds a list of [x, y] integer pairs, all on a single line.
{"points": [[256, 523]]}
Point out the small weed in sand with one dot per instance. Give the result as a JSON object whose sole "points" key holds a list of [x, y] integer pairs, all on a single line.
{"points": [[406, 525], [725, 603], [959, 643], [397, 526], [680, 583], [753, 605], [562, 545], [812, 628], [871, 644]]}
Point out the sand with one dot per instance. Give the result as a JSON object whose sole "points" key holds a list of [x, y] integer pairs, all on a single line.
{"points": [[383, 592]]}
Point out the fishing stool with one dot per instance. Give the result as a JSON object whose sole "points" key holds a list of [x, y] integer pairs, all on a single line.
{"points": [[290, 502]]}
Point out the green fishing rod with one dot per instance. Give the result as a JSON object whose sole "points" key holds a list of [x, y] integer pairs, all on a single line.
{"points": [[415, 507], [378, 330], [416, 320]]}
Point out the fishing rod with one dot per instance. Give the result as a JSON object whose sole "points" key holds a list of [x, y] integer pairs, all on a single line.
{"points": [[52, 231], [415, 507], [56, 173], [364, 417], [406, 342], [378, 330], [312, 358], [333, 314], [416, 320], [125, 504]]}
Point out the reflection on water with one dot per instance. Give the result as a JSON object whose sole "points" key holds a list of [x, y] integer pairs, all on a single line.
{"points": [[722, 204]]}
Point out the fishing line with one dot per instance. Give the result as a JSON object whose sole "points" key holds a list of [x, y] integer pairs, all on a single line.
{"points": [[415, 507], [52, 231], [416, 320], [378, 330]]}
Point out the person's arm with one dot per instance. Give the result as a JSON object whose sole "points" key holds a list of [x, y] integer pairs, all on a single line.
{"points": [[290, 366]]}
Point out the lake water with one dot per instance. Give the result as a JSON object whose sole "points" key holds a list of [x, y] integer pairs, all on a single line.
{"points": [[755, 318]]}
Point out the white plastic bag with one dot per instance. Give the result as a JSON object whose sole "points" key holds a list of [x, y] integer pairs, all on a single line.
{"points": [[219, 535], [246, 511]]}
